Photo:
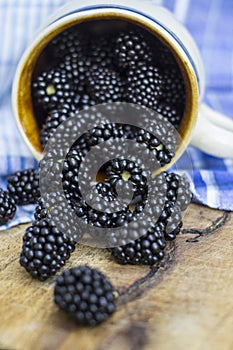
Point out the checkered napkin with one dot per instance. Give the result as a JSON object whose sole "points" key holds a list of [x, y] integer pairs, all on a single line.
{"points": [[209, 22]]}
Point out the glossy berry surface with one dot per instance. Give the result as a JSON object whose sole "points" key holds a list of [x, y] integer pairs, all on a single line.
{"points": [[85, 294], [23, 186], [7, 207], [45, 249]]}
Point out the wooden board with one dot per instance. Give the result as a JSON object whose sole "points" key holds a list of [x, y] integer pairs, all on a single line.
{"points": [[185, 304]]}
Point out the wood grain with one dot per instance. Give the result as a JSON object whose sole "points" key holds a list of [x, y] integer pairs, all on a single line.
{"points": [[185, 304]]}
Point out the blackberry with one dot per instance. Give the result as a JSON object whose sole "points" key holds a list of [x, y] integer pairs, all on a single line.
{"points": [[147, 250], [85, 294], [52, 89], [105, 85], [131, 48], [53, 120], [68, 42], [45, 249], [77, 70], [144, 85], [7, 207], [23, 186]]}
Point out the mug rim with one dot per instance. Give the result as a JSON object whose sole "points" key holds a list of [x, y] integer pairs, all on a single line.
{"points": [[31, 54]]}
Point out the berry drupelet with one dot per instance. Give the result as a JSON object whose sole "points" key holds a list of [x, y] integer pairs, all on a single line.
{"points": [[131, 48], [45, 249], [7, 207], [23, 186], [85, 294]]}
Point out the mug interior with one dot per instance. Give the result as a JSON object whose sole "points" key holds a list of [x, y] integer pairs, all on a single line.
{"points": [[30, 124]]}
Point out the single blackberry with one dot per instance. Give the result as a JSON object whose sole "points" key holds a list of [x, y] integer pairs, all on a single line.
{"points": [[105, 85], [69, 41], [7, 207], [52, 89], [147, 250], [23, 186], [144, 85], [45, 249], [85, 294], [77, 70], [131, 48], [54, 119]]}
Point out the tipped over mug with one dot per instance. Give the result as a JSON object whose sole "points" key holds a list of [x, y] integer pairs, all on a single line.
{"points": [[200, 126]]}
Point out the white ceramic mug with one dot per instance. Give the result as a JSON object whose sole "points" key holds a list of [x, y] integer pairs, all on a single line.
{"points": [[201, 126]]}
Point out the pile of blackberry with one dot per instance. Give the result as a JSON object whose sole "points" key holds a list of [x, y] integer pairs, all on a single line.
{"points": [[125, 66], [82, 72]]}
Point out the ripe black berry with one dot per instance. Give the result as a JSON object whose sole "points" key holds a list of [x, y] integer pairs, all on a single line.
{"points": [[131, 48], [7, 207], [144, 85], [147, 250], [68, 42], [105, 85], [45, 249], [85, 294], [77, 70], [53, 88], [23, 186]]}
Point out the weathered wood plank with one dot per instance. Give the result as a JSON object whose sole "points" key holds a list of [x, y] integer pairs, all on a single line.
{"points": [[187, 304]]}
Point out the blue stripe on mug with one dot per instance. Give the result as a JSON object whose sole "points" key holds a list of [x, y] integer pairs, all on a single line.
{"points": [[96, 7]]}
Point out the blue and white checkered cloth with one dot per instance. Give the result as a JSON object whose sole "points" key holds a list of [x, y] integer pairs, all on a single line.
{"points": [[210, 23]]}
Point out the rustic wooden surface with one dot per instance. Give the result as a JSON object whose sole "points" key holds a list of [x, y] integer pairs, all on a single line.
{"points": [[186, 304]]}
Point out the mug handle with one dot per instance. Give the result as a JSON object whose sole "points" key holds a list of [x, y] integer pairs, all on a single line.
{"points": [[213, 133]]}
